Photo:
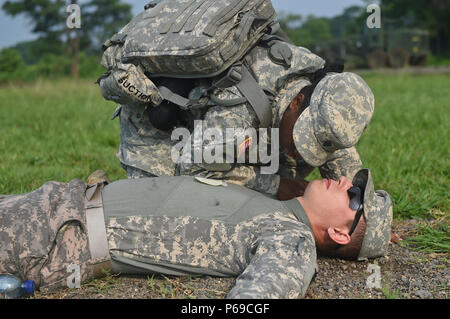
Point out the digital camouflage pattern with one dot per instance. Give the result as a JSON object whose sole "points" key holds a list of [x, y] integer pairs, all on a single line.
{"points": [[43, 232], [190, 38], [273, 255], [222, 117], [127, 84], [345, 162], [163, 40], [284, 83], [145, 150], [340, 110], [143, 146], [378, 216], [274, 76]]}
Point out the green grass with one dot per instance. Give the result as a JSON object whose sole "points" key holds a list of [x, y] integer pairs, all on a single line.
{"points": [[59, 130], [434, 60], [431, 239], [407, 143], [55, 130]]}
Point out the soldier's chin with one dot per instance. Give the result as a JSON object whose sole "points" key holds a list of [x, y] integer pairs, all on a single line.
{"points": [[311, 185]]}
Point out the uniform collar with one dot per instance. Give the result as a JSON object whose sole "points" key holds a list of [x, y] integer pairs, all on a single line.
{"points": [[297, 209]]}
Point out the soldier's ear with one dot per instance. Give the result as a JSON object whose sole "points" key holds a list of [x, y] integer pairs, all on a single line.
{"points": [[338, 235], [297, 102]]}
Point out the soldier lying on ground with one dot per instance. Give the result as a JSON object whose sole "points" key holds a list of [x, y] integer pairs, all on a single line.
{"points": [[187, 225]]}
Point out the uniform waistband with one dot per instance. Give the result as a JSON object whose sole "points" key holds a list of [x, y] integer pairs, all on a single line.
{"points": [[96, 229]]}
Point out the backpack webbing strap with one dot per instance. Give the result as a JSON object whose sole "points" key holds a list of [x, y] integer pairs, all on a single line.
{"points": [[166, 27], [239, 76], [256, 97], [223, 16], [190, 26], [175, 98], [179, 25]]}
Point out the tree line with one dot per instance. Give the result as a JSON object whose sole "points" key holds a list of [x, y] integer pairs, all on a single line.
{"points": [[400, 21], [59, 49]]}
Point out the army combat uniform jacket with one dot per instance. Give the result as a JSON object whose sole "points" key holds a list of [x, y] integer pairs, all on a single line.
{"points": [[169, 225], [146, 151]]}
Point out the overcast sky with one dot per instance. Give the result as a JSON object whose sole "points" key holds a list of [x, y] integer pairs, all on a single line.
{"points": [[13, 30]]}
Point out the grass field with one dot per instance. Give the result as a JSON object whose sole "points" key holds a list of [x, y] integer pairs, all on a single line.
{"points": [[59, 130]]}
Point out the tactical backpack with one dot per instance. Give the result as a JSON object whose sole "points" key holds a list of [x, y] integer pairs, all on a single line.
{"points": [[206, 40]]}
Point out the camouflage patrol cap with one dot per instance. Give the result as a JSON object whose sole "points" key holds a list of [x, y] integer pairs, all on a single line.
{"points": [[286, 95], [341, 108], [377, 212]]}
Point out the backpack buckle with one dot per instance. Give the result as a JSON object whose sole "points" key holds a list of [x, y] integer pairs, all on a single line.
{"points": [[232, 77]]}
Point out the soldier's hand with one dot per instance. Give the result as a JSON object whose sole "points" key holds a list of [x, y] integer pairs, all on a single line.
{"points": [[291, 188], [395, 239]]}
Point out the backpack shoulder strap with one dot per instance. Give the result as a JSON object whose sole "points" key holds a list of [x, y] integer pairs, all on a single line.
{"points": [[256, 97]]}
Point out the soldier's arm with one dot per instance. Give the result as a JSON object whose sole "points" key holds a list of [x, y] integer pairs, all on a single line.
{"points": [[282, 267], [244, 175], [218, 147], [345, 162]]}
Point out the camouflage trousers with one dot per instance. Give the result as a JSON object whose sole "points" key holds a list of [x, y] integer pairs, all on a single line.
{"points": [[44, 232]]}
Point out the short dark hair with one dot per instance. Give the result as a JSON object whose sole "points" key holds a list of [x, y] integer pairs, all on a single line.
{"points": [[318, 76]]}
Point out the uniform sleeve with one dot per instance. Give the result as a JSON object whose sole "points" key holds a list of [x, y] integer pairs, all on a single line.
{"points": [[244, 175], [293, 168], [282, 267], [143, 146], [345, 162], [225, 146]]}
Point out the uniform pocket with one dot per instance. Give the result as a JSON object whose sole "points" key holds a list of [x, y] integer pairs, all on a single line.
{"points": [[127, 84]]}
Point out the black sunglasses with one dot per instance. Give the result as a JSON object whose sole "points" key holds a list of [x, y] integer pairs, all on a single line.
{"points": [[355, 195]]}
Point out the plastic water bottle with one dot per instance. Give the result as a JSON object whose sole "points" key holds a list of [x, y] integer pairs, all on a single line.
{"points": [[12, 287]]}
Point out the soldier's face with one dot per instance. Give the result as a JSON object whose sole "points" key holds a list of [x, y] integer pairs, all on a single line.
{"points": [[331, 199], [287, 123]]}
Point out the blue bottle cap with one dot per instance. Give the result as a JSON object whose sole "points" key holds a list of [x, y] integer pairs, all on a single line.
{"points": [[29, 286]]}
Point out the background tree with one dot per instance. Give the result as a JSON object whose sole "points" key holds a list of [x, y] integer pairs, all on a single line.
{"points": [[305, 32], [433, 15], [348, 23], [100, 19], [47, 19]]}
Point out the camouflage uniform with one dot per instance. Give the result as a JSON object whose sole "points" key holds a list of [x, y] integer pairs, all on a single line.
{"points": [[285, 82], [144, 150], [193, 229], [181, 39], [378, 214], [43, 232], [177, 226], [348, 104]]}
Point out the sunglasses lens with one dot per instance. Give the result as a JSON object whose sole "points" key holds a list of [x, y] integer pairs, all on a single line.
{"points": [[354, 193], [355, 222]]}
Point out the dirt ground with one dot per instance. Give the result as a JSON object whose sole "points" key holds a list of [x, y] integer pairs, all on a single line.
{"points": [[404, 273]]}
